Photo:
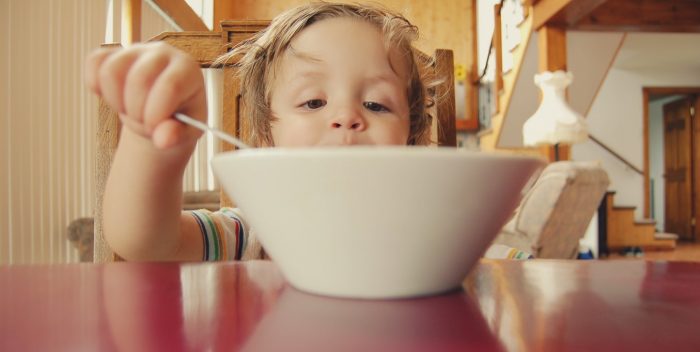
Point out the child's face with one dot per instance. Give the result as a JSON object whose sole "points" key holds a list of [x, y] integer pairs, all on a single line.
{"points": [[338, 85]]}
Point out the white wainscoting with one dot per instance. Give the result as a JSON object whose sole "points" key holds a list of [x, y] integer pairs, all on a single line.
{"points": [[48, 120]]}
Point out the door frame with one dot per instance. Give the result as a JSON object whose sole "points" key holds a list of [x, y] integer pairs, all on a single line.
{"points": [[646, 93]]}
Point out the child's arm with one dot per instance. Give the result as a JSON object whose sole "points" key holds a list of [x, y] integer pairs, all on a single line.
{"points": [[146, 84]]}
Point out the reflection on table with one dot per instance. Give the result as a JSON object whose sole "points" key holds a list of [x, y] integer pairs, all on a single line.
{"points": [[504, 305]]}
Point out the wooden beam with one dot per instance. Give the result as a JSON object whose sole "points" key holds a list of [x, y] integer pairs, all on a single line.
{"points": [[131, 22], [577, 10], [619, 15], [564, 13], [444, 67], [544, 10], [642, 16], [498, 47], [182, 14], [472, 90], [551, 42]]}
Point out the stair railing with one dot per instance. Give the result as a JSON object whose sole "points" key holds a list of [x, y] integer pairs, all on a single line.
{"points": [[505, 36], [615, 154]]}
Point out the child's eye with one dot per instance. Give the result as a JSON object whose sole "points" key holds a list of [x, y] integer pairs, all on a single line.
{"points": [[376, 107], [314, 104]]}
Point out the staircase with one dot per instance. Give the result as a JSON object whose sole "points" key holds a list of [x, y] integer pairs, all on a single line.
{"points": [[622, 230], [512, 34], [512, 63]]}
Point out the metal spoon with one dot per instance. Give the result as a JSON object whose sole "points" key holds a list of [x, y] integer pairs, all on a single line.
{"points": [[204, 127]]}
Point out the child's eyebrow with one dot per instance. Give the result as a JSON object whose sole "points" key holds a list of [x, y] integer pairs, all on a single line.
{"points": [[314, 74], [307, 75], [304, 56], [385, 78]]}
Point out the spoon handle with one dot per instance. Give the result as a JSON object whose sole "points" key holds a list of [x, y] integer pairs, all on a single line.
{"points": [[204, 127]]}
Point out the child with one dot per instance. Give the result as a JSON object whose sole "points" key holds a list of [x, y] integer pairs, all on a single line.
{"points": [[321, 74]]}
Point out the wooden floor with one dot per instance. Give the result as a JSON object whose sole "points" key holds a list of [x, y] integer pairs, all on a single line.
{"points": [[685, 251]]}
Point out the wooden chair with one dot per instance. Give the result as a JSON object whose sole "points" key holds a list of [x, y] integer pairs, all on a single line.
{"points": [[205, 47]]}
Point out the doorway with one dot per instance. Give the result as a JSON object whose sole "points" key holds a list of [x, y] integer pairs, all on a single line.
{"points": [[672, 153]]}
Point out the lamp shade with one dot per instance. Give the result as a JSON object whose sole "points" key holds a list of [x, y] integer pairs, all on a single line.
{"points": [[554, 122]]}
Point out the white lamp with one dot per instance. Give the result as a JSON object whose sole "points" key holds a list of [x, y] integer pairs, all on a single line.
{"points": [[554, 122]]}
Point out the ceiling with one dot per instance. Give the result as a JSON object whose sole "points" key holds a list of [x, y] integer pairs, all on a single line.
{"points": [[621, 15], [655, 50]]}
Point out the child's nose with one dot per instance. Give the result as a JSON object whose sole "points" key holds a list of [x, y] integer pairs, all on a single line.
{"points": [[351, 120]]}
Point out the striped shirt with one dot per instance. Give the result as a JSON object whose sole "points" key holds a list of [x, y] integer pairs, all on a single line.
{"points": [[225, 236], [499, 251], [224, 233]]}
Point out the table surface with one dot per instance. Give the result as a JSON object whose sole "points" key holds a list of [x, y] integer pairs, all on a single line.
{"points": [[536, 305]]}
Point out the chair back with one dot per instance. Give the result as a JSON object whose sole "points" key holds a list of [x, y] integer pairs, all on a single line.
{"points": [[556, 211]]}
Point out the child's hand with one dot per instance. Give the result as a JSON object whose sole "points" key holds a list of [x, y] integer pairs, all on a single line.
{"points": [[147, 84]]}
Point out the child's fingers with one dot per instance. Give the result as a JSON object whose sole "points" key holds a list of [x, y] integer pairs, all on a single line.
{"points": [[147, 84], [180, 87], [171, 133], [92, 66], [112, 76], [139, 81]]}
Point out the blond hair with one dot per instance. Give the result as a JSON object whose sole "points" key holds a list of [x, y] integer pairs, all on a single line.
{"points": [[259, 56]]}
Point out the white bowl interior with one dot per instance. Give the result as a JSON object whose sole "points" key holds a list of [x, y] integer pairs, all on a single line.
{"points": [[369, 222]]}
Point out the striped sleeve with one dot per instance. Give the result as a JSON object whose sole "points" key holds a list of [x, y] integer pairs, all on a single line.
{"points": [[499, 251], [224, 234]]}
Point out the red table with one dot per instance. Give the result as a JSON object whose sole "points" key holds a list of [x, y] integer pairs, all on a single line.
{"points": [[537, 305]]}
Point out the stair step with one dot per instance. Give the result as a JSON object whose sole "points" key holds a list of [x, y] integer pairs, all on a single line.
{"points": [[665, 236], [625, 232], [514, 48], [513, 60], [484, 132]]}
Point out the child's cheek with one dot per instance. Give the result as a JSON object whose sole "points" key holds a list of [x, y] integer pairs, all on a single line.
{"points": [[295, 133]]}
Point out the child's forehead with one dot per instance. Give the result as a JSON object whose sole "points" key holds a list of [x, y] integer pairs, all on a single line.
{"points": [[349, 37], [337, 32]]}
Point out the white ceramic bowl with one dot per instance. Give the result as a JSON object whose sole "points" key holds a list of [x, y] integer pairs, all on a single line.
{"points": [[370, 222]]}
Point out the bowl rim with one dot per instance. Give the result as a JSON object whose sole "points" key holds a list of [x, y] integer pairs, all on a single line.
{"points": [[372, 152]]}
